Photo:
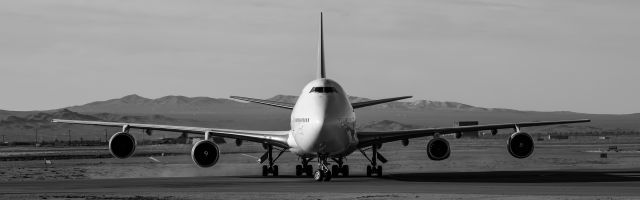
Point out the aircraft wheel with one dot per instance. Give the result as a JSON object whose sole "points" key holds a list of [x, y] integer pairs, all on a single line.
{"points": [[298, 170], [318, 175], [379, 171], [369, 170], [345, 170], [265, 170], [274, 170], [309, 170], [335, 170], [327, 176]]}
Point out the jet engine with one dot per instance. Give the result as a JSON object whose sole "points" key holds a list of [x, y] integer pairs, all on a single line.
{"points": [[122, 145], [438, 149], [520, 145], [205, 153]]}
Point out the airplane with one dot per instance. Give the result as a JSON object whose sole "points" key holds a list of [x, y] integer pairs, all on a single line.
{"points": [[323, 127]]}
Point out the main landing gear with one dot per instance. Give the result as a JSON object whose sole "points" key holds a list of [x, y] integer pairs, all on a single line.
{"points": [[270, 168], [305, 168], [340, 168], [374, 168]]}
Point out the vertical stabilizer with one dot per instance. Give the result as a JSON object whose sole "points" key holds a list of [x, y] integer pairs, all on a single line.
{"points": [[321, 72]]}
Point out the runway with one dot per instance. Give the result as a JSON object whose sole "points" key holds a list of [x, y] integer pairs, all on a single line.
{"points": [[581, 183]]}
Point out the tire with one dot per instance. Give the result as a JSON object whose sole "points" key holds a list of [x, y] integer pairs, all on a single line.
{"points": [[318, 175], [275, 170], [345, 170], [327, 176], [336, 170], [369, 170], [309, 170], [265, 171], [298, 170], [379, 171]]}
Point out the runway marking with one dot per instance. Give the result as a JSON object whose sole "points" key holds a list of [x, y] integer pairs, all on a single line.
{"points": [[249, 156], [154, 159]]}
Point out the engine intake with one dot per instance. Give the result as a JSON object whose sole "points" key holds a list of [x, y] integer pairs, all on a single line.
{"points": [[520, 145], [438, 149], [205, 153], [122, 145]]}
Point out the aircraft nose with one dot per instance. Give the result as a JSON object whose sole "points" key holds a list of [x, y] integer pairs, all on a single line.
{"points": [[323, 133], [325, 136]]}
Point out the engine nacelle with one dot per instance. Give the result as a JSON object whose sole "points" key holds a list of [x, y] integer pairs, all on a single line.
{"points": [[205, 153], [438, 149], [122, 145], [520, 145]]}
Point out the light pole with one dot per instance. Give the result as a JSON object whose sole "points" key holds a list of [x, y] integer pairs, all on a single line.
{"points": [[36, 144]]}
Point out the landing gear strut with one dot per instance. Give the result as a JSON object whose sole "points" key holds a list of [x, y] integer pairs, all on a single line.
{"points": [[340, 168], [271, 167], [323, 173], [305, 168], [374, 168]]}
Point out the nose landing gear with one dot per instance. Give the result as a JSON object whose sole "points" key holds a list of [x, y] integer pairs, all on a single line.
{"points": [[323, 173]]}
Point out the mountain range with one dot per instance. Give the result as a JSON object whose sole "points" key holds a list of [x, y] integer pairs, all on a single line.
{"points": [[227, 113], [134, 104]]}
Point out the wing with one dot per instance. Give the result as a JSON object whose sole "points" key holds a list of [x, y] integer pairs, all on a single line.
{"points": [[369, 138], [375, 102], [265, 102], [276, 138]]}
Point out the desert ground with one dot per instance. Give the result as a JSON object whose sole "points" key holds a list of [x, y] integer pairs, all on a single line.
{"points": [[477, 169]]}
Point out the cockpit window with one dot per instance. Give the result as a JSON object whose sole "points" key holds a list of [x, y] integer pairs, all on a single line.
{"points": [[324, 90]]}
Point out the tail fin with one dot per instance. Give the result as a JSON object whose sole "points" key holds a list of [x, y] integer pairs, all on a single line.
{"points": [[321, 72]]}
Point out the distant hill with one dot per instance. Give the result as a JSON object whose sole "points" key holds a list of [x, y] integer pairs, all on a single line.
{"points": [[226, 113], [386, 125], [404, 105], [284, 98], [43, 119], [22, 128], [134, 104]]}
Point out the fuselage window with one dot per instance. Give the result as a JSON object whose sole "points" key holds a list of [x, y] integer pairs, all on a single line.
{"points": [[324, 90]]}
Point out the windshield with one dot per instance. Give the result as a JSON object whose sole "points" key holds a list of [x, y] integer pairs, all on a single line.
{"points": [[324, 90]]}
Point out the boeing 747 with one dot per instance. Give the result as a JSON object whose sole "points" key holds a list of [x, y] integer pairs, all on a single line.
{"points": [[323, 127]]}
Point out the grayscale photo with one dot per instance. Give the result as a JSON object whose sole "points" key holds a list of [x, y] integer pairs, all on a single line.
{"points": [[322, 100]]}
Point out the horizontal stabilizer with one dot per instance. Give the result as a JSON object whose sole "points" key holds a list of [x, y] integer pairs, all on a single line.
{"points": [[375, 102], [265, 102]]}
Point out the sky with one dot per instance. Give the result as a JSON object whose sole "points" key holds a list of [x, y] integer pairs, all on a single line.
{"points": [[542, 55]]}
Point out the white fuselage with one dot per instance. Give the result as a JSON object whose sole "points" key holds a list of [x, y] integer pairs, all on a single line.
{"points": [[323, 121]]}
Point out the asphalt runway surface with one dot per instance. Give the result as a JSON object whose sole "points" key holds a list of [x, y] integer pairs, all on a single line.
{"points": [[611, 183]]}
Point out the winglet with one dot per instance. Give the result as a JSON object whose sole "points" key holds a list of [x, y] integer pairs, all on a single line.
{"points": [[321, 72]]}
